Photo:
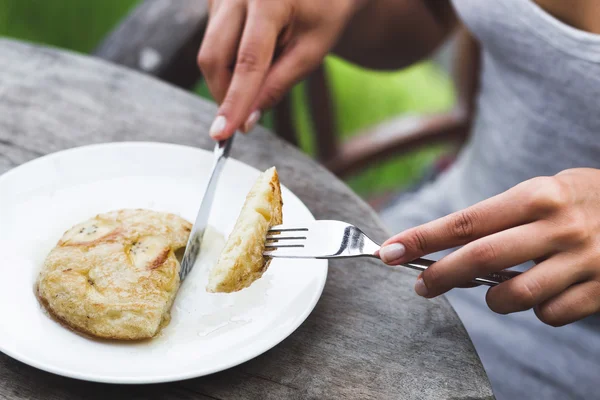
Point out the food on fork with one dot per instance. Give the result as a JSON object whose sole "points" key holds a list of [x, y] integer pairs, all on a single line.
{"points": [[115, 276], [242, 261]]}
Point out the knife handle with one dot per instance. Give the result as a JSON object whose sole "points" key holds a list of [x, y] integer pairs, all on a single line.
{"points": [[222, 149]]}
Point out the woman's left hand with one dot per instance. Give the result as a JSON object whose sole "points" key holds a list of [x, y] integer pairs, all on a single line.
{"points": [[554, 221]]}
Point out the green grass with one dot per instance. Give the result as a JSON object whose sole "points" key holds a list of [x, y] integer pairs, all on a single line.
{"points": [[362, 98], [73, 24]]}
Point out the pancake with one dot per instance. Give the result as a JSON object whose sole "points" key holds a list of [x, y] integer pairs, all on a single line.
{"points": [[115, 276], [241, 261]]}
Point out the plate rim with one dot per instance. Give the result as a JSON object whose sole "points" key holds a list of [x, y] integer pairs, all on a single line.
{"points": [[136, 380]]}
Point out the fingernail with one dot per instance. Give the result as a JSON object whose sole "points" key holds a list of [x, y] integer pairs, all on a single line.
{"points": [[251, 121], [391, 252], [217, 126], [420, 288]]}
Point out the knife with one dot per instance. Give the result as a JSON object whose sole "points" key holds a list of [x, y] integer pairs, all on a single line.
{"points": [[221, 153]]}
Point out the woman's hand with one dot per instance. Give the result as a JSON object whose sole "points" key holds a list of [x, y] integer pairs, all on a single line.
{"points": [[237, 57], [554, 221]]}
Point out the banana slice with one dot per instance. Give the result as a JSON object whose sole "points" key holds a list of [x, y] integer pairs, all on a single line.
{"points": [[149, 252], [89, 232]]}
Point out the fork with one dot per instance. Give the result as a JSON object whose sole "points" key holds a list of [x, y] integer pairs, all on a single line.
{"points": [[337, 239]]}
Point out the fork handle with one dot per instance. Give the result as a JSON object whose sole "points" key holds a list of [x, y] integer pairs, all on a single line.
{"points": [[493, 279]]}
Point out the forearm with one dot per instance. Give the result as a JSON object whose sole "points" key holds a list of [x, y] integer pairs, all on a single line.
{"points": [[392, 34]]}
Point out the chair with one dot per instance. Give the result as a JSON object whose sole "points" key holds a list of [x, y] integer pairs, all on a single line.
{"points": [[162, 37]]}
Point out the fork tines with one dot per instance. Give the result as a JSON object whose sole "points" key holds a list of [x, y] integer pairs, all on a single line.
{"points": [[289, 237]]}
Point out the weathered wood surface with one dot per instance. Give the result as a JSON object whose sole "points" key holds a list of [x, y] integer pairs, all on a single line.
{"points": [[368, 337]]}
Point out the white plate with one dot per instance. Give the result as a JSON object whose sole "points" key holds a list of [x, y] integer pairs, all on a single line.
{"points": [[208, 332]]}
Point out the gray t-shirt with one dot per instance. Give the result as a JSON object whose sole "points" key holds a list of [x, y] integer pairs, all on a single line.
{"points": [[538, 113]]}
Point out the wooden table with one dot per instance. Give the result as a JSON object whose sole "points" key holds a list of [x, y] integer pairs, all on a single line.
{"points": [[370, 336]]}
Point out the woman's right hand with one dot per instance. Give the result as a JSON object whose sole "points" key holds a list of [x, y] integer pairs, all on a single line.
{"points": [[237, 57]]}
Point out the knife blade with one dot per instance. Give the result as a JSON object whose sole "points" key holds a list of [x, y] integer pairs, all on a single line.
{"points": [[221, 153]]}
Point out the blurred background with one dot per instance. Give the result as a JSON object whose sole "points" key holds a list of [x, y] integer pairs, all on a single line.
{"points": [[360, 99]]}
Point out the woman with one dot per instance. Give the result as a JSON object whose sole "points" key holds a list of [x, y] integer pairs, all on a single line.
{"points": [[525, 187]]}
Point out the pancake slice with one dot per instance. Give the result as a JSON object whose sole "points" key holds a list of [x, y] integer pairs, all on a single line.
{"points": [[241, 261]]}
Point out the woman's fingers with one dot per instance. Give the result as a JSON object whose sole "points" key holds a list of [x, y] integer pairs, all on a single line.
{"points": [[492, 253], [522, 204], [542, 282], [301, 56], [220, 46], [264, 23], [249, 34], [490, 216], [577, 302]]}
